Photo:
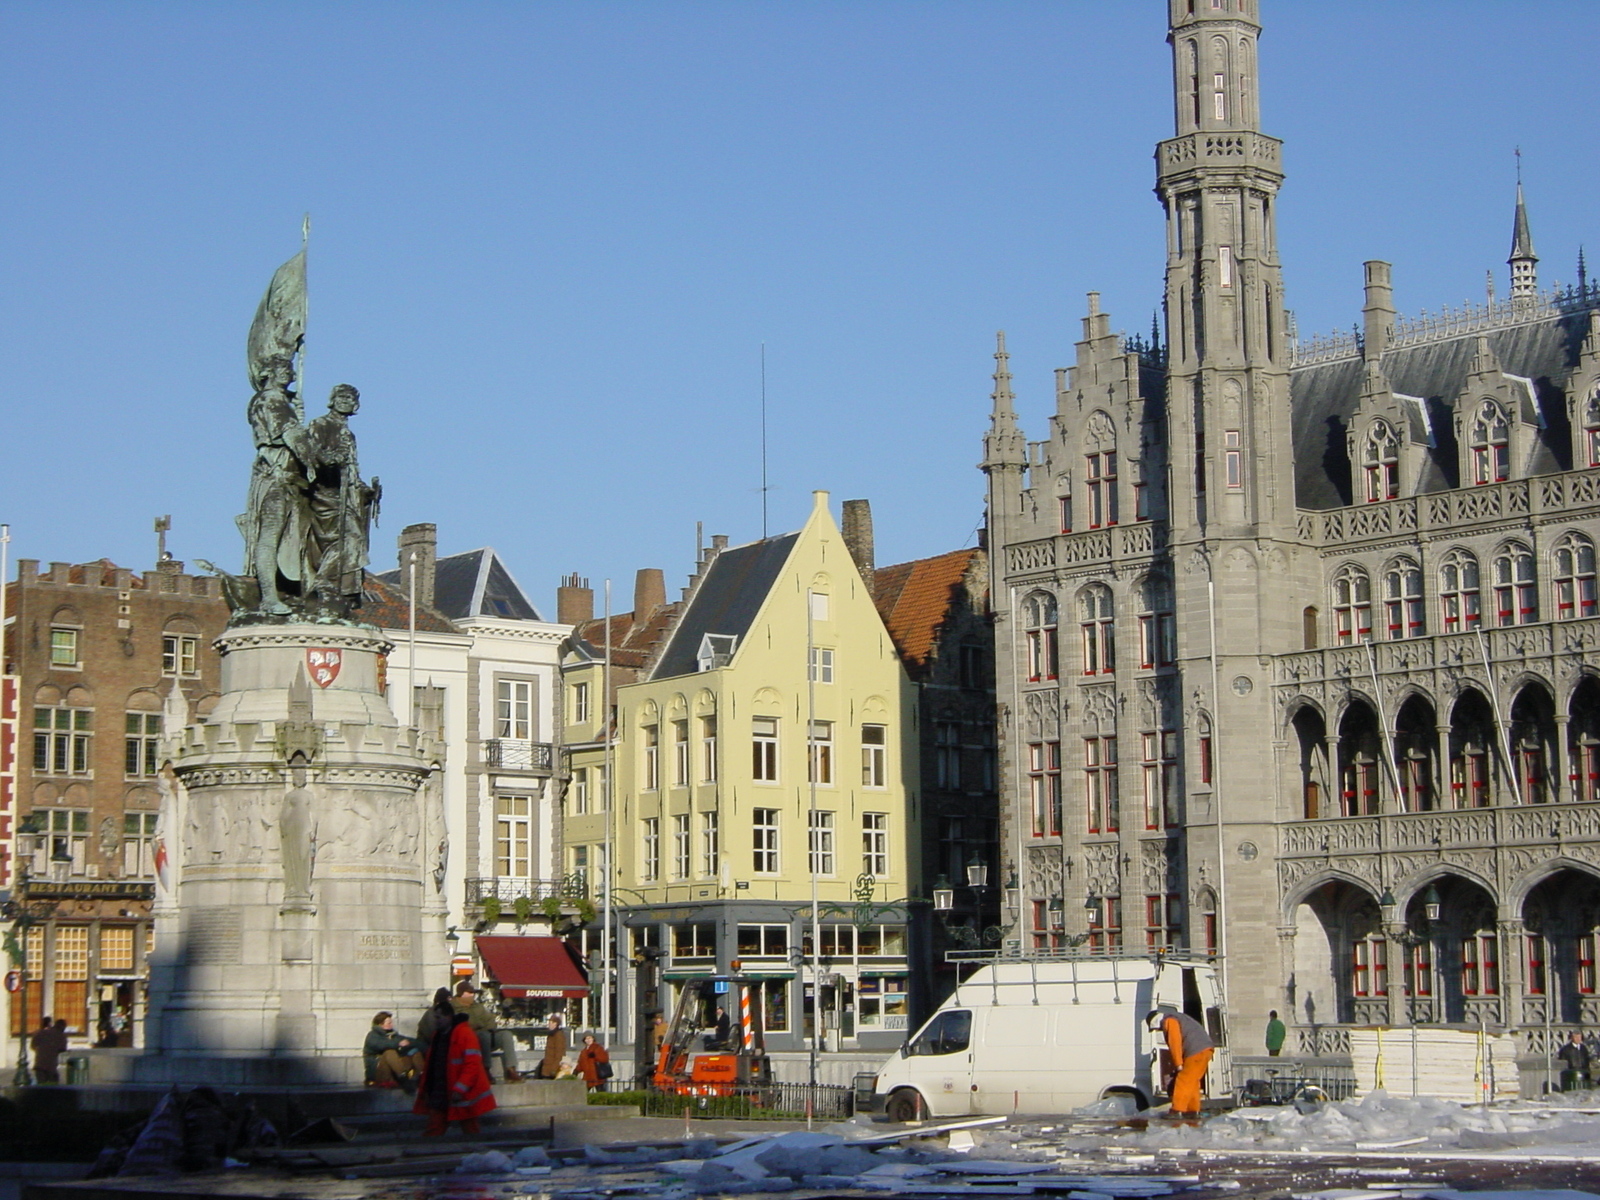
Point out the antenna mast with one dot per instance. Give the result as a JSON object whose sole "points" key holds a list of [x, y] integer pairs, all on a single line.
{"points": [[763, 441]]}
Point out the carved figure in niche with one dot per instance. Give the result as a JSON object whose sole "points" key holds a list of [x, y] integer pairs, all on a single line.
{"points": [[435, 841], [168, 787], [297, 836]]}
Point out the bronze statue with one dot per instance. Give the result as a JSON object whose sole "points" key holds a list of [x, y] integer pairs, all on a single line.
{"points": [[307, 512]]}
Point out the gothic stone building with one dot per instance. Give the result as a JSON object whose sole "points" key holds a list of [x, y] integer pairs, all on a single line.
{"points": [[1301, 656]]}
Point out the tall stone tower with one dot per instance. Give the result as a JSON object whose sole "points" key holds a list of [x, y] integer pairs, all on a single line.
{"points": [[1232, 502]]}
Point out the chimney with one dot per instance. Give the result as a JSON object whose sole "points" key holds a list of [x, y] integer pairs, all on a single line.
{"points": [[424, 541], [574, 601], [27, 570], [649, 592], [1377, 312], [858, 540], [60, 572]]}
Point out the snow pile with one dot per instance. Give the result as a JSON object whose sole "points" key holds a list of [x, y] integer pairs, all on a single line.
{"points": [[1380, 1121]]}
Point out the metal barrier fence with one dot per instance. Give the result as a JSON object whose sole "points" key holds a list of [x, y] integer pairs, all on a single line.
{"points": [[763, 1102]]}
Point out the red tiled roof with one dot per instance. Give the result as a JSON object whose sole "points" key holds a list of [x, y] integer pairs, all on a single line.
{"points": [[387, 607], [914, 598], [631, 641]]}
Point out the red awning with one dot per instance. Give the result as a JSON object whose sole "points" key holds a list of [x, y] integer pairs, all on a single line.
{"points": [[532, 966]]}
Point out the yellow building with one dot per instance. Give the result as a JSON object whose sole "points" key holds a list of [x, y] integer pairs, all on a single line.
{"points": [[765, 758]]}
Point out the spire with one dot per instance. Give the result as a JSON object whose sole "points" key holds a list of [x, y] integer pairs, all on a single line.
{"points": [[1003, 444], [1523, 261]]}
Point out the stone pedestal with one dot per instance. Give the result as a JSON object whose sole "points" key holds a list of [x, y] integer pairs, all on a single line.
{"points": [[303, 896]]}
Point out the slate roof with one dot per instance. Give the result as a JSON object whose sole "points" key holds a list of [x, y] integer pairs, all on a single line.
{"points": [[1325, 396], [726, 601], [914, 598], [475, 584]]}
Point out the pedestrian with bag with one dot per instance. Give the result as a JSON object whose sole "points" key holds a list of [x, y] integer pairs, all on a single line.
{"points": [[594, 1063]]}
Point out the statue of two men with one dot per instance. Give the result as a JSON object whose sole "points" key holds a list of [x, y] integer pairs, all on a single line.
{"points": [[308, 511]]}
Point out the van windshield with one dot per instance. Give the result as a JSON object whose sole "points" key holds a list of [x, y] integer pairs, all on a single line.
{"points": [[948, 1033]]}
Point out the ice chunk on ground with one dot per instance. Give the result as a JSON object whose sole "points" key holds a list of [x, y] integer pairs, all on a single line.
{"points": [[1118, 1104], [531, 1156], [489, 1162]]}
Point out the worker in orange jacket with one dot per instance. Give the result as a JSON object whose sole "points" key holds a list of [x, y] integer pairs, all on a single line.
{"points": [[1190, 1047]]}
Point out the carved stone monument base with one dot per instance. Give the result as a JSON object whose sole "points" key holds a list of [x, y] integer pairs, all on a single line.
{"points": [[302, 899]]}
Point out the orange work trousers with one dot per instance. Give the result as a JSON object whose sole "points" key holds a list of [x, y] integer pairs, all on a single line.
{"points": [[1186, 1087]]}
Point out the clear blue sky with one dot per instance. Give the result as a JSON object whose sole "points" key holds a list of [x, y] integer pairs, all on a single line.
{"points": [[549, 240]]}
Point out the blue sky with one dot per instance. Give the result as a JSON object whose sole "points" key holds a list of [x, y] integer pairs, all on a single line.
{"points": [[549, 241]]}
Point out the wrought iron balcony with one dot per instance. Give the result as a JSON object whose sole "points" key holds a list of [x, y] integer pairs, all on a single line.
{"points": [[507, 890], [516, 754]]}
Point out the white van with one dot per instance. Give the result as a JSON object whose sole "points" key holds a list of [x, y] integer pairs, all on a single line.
{"points": [[1049, 1034]]}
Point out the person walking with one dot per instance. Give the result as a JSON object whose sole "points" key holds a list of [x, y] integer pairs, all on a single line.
{"points": [[1190, 1047], [591, 1059], [555, 1049], [1575, 1055], [1277, 1033], [455, 1087]]}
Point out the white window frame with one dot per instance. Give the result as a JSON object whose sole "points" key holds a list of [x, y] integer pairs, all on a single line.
{"points": [[765, 842], [764, 749], [513, 836], [819, 754], [650, 858], [580, 704], [874, 756], [820, 664], [708, 748], [680, 753], [513, 709], [875, 844], [180, 654], [819, 841], [710, 844], [682, 847]]}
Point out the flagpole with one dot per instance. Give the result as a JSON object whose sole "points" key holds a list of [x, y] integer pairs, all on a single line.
{"points": [[305, 315]]}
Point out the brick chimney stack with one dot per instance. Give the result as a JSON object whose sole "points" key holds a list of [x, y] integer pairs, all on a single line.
{"points": [[574, 601], [424, 540], [857, 532], [649, 591]]}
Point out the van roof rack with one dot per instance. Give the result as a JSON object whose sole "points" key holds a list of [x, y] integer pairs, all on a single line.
{"points": [[1073, 954]]}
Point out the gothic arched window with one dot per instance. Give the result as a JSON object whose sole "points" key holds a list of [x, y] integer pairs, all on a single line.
{"points": [[1574, 582], [1380, 462], [1516, 595], [1491, 444], [1402, 599], [1039, 620], [1459, 599], [1352, 605], [1099, 632]]}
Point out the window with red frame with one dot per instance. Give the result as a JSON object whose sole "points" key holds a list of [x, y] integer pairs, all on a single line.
{"points": [[1040, 621], [1370, 966], [1480, 965], [1586, 975], [1361, 785], [1100, 783], [1531, 772], [1459, 599], [1380, 463], [1064, 509], [1491, 445], [1469, 775], [1159, 773], [1516, 594], [1537, 954], [1402, 600], [1047, 932], [1105, 926], [1574, 583], [1044, 787], [1418, 962], [1100, 472], [1163, 927], [1352, 605], [1095, 613], [1586, 769], [1205, 752], [1158, 627]]}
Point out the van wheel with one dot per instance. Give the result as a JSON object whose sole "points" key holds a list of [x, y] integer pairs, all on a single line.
{"points": [[1138, 1097], [902, 1106]]}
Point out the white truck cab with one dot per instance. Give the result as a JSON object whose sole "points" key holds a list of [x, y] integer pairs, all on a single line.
{"points": [[1047, 1034]]}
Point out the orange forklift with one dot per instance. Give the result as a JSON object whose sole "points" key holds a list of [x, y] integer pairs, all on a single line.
{"points": [[703, 1054]]}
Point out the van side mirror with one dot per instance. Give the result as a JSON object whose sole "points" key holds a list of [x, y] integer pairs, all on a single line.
{"points": [[905, 1049]]}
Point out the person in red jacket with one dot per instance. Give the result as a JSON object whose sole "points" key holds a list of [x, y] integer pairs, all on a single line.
{"points": [[1190, 1047], [454, 1087]]}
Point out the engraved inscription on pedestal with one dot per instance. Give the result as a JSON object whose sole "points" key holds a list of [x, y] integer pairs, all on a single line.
{"points": [[213, 937]]}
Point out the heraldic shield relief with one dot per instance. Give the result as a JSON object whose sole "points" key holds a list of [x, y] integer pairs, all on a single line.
{"points": [[324, 666]]}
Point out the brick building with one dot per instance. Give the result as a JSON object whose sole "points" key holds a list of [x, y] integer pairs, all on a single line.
{"points": [[96, 651]]}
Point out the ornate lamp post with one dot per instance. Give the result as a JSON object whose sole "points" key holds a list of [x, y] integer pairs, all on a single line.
{"points": [[24, 913]]}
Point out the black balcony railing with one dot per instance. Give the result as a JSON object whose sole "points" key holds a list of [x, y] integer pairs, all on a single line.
{"points": [[514, 754], [507, 890]]}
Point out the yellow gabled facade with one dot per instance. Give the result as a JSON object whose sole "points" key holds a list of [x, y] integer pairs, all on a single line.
{"points": [[768, 756]]}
